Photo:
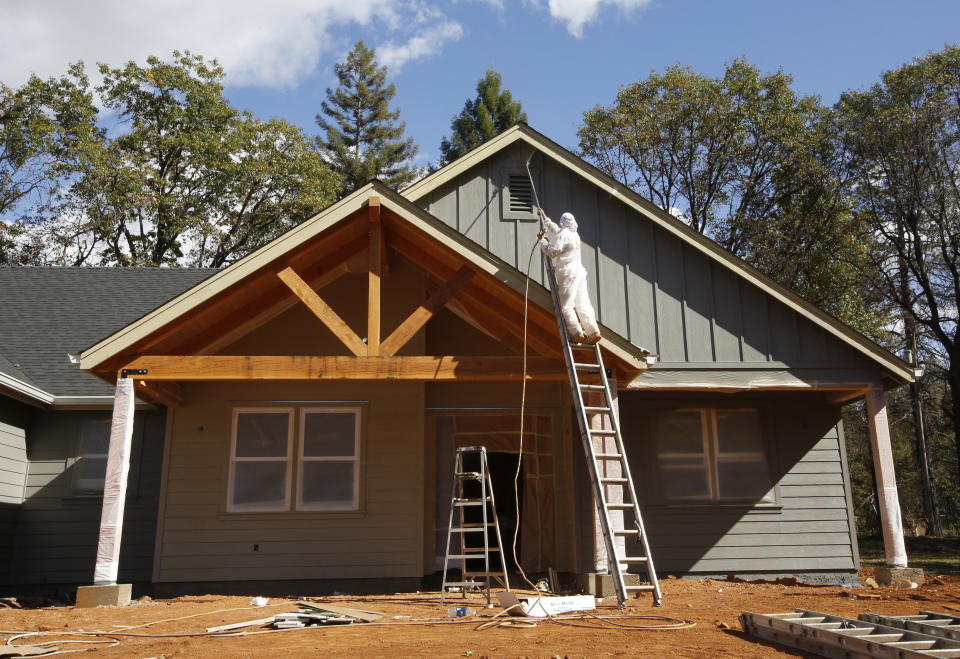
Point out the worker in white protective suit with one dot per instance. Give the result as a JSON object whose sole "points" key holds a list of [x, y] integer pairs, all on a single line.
{"points": [[562, 244]]}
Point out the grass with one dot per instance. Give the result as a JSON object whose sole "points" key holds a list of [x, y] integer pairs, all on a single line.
{"points": [[934, 555]]}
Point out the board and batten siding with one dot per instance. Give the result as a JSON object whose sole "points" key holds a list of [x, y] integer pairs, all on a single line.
{"points": [[808, 529], [646, 284], [57, 530], [200, 541]]}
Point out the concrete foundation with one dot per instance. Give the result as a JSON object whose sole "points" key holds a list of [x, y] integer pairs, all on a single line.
{"points": [[602, 585], [117, 594], [898, 577]]}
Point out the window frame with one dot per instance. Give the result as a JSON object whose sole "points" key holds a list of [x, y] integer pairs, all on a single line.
{"points": [[231, 478], [354, 504], [710, 439], [294, 459]]}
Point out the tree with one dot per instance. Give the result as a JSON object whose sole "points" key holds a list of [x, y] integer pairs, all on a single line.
{"points": [[902, 142], [482, 118], [184, 178], [44, 125], [745, 161], [362, 137]]}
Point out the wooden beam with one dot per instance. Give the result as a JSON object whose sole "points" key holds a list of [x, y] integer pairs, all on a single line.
{"points": [[883, 467], [307, 368], [839, 397], [243, 326], [167, 393], [323, 311], [406, 330], [373, 278]]}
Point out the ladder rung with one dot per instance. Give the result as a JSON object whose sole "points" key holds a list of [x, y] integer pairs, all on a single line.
{"points": [[583, 346], [580, 366], [607, 456], [620, 506], [592, 387], [466, 529], [588, 408], [632, 559], [481, 574], [608, 433], [468, 557], [471, 584], [639, 588], [622, 481], [470, 502], [469, 474], [627, 532]]}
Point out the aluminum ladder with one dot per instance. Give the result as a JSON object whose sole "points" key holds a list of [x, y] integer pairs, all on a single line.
{"points": [[845, 638], [459, 502], [588, 377]]}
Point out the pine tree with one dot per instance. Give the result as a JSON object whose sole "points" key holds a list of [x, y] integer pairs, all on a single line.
{"points": [[364, 139], [489, 114]]}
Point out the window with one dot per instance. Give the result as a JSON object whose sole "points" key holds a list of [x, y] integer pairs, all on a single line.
{"points": [[320, 455], [90, 468], [715, 454], [328, 458], [519, 202]]}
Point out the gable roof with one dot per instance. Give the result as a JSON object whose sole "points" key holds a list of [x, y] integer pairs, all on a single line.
{"points": [[97, 357], [48, 312], [521, 133]]}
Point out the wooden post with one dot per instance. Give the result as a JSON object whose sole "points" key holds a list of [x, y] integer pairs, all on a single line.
{"points": [[887, 498], [608, 469], [115, 485], [373, 278]]}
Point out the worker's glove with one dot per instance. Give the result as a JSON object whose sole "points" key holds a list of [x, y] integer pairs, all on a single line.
{"points": [[541, 235]]}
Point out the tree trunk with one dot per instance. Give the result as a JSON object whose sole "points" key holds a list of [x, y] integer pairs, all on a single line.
{"points": [[953, 378]]}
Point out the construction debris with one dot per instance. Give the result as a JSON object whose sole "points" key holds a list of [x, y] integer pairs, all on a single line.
{"points": [[542, 607]]}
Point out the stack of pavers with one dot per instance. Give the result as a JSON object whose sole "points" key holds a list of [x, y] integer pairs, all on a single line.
{"points": [[322, 614]]}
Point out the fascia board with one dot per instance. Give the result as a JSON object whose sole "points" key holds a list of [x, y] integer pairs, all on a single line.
{"points": [[700, 242], [24, 389]]}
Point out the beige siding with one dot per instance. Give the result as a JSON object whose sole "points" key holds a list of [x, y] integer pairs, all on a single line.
{"points": [[200, 541]]}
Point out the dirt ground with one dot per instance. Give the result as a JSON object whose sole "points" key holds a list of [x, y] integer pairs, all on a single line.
{"points": [[713, 605]]}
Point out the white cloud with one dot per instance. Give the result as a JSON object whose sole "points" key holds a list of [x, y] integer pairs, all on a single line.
{"points": [[272, 44], [429, 42], [577, 13]]}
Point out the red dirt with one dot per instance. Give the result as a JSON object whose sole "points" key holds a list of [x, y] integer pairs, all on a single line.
{"points": [[712, 605]]}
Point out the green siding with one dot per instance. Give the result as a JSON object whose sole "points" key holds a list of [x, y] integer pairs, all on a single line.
{"points": [[808, 530], [55, 538]]}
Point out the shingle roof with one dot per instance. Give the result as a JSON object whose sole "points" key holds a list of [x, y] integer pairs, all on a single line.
{"points": [[47, 312]]}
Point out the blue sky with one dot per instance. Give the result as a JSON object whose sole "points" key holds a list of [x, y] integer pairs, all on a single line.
{"points": [[558, 57]]}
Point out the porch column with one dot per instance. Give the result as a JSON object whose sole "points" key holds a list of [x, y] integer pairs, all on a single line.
{"points": [[887, 498], [115, 485], [607, 469]]}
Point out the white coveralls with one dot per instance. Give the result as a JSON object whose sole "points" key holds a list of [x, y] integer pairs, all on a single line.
{"points": [[562, 245]]}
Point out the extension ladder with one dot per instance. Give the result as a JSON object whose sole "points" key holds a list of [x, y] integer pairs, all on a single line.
{"points": [[460, 502], [844, 638], [589, 378], [944, 625]]}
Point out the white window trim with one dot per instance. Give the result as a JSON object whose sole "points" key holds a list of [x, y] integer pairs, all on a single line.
{"points": [[710, 441], [253, 507], [354, 505]]}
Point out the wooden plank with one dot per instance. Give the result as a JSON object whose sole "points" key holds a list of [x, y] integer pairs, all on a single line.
{"points": [[373, 277], [322, 310], [304, 368], [406, 330]]}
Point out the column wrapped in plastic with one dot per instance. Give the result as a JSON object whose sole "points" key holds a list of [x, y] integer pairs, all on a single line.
{"points": [[115, 485], [895, 550]]}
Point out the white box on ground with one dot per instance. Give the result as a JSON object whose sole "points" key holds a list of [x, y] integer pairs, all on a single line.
{"points": [[541, 607]]}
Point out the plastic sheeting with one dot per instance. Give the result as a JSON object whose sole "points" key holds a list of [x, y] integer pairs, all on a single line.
{"points": [[115, 485], [894, 548]]}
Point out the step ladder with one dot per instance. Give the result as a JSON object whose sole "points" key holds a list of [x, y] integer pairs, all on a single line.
{"points": [[471, 467], [588, 379], [835, 636]]}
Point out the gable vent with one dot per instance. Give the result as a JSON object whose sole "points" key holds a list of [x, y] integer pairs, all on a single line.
{"points": [[521, 195]]}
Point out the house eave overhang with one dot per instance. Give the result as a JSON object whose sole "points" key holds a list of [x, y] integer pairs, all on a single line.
{"points": [[896, 371], [96, 357]]}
